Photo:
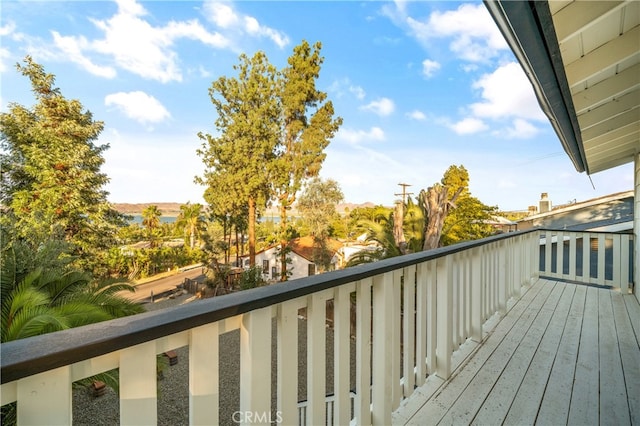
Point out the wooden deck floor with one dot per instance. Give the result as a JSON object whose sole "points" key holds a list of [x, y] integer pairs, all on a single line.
{"points": [[564, 354]]}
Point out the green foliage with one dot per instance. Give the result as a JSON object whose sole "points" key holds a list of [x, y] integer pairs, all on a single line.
{"points": [[467, 221], [273, 129], [51, 184], [251, 278], [317, 205], [190, 220], [238, 163], [464, 222], [151, 222]]}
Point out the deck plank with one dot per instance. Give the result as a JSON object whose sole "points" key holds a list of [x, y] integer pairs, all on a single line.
{"points": [[493, 409], [527, 307], [527, 401], [585, 403], [614, 408], [557, 397], [629, 353], [633, 307], [564, 354]]}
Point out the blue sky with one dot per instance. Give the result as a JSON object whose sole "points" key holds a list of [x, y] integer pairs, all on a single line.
{"points": [[420, 85]]}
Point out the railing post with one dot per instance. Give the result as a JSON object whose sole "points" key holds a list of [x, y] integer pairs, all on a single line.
{"points": [[432, 316], [601, 259], [45, 398], [287, 381], [502, 278], [624, 263], [535, 257], [363, 352], [204, 375], [316, 359], [421, 323], [444, 347], [572, 255], [341, 331], [586, 257], [395, 340], [382, 347], [476, 294], [255, 365], [547, 253], [138, 385], [617, 265], [560, 254], [409, 329]]}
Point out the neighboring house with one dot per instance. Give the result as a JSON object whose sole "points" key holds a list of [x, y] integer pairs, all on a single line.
{"points": [[611, 213], [301, 259]]}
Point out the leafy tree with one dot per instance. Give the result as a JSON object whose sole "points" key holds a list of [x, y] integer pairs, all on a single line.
{"points": [[317, 205], [51, 184], [251, 278], [190, 220], [307, 123], [468, 220], [151, 221], [239, 161]]}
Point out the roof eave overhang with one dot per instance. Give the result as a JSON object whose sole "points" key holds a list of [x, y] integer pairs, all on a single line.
{"points": [[528, 29]]}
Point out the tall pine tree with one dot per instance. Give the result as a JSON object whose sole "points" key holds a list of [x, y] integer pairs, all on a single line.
{"points": [[239, 161], [51, 186]]}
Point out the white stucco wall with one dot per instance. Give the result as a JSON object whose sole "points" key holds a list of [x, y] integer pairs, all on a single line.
{"points": [[299, 266]]}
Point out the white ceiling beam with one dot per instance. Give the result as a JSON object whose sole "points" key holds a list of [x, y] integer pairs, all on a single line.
{"points": [[605, 56], [621, 132], [619, 122], [609, 110], [611, 148], [615, 86], [580, 15]]}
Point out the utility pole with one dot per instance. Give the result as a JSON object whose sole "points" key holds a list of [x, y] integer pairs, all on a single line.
{"points": [[404, 192]]}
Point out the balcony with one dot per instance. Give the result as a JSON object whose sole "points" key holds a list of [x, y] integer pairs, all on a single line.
{"points": [[529, 326]]}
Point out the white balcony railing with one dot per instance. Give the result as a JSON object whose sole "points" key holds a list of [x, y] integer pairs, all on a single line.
{"points": [[412, 315]]}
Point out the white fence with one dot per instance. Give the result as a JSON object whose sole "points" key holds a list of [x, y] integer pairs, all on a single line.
{"points": [[411, 314]]}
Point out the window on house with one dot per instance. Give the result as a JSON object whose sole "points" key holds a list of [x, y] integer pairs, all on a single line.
{"points": [[265, 266], [312, 269], [274, 272]]}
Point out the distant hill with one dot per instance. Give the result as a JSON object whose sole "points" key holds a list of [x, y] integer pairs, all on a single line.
{"points": [[173, 209], [167, 209]]}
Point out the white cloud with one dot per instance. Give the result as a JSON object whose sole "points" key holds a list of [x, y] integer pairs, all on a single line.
{"points": [[469, 126], [72, 47], [506, 93], [221, 14], [357, 91], [382, 107], [134, 44], [357, 136], [138, 106], [474, 36], [340, 87], [520, 129], [417, 115], [6, 30], [224, 16], [429, 67]]}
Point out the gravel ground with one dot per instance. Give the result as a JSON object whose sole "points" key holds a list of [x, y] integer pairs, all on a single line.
{"points": [[173, 388]]}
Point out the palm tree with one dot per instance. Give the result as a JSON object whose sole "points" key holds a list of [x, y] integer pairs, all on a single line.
{"points": [[46, 301], [190, 219], [151, 221], [379, 227]]}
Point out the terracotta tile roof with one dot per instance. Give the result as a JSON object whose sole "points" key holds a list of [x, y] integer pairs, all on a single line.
{"points": [[303, 246]]}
